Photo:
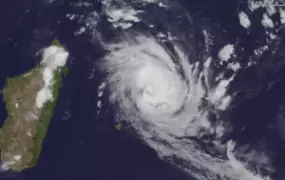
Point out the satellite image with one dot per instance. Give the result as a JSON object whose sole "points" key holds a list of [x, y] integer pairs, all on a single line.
{"points": [[142, 89]]}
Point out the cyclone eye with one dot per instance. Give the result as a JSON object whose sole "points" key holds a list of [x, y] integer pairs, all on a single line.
{"points": [[148, 71], [151, 88]]}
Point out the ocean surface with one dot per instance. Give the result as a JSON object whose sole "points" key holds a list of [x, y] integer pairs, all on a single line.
{"points": [[78, 144], [81, 145]]}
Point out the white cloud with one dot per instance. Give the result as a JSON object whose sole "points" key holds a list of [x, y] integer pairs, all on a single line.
{"points": [[259, 51], [169, 108], [244, 20], [239, 166], [160, 4], [270, 10], [266, 21], [234, 66], [80, 31], [217, 95], [53, 58], [17, 157], [226, 52], [251, 5], [123, 16], [282, 15], [43, 96]]}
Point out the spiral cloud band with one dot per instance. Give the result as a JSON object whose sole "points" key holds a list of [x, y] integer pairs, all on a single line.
{"points": [[147, 83], [160, 93]]}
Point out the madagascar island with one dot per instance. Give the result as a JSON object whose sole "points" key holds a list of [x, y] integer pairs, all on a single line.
{"points": [[30, 100]]}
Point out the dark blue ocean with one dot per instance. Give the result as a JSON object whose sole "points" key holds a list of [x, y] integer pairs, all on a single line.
{"points": [[83, 146]]}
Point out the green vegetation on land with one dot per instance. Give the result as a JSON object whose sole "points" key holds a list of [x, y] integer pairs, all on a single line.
{"points": [[48, 109], [22, 134], [46, 115]]}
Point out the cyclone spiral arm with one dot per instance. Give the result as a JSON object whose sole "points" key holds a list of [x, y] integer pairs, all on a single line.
{"points": [[146, 81], [159, 89]]}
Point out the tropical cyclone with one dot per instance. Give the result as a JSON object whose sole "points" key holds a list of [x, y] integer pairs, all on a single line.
{"points": [[147, 72], [168, 101], [30, 99]]}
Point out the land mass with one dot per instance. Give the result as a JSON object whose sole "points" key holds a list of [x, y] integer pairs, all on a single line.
{"points": [[30, 99]]}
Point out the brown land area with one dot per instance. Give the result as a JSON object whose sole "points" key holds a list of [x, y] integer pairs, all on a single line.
{"points": [[18, 132], [23, 132]]}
